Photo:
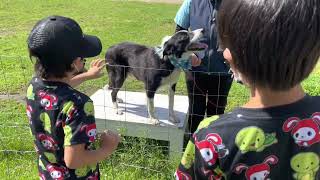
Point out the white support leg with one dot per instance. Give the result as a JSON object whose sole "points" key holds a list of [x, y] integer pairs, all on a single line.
{"points": [[176, 144]]}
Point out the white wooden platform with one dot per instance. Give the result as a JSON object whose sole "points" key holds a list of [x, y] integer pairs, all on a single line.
{"points": [[135, 121]]}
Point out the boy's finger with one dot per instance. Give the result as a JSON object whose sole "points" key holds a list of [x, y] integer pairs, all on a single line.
{"points": [[92, 63], [100, 62], [102, 66]]}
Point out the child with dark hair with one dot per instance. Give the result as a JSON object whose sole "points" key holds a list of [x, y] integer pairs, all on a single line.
{"points": [[271, 46], [62, 118]]}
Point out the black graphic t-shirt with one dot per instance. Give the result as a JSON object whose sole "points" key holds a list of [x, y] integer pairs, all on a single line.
{"points": [[60, 116], [280, 142]]}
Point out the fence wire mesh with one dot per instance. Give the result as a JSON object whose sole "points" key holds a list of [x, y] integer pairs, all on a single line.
{"points": [[140, 157]]}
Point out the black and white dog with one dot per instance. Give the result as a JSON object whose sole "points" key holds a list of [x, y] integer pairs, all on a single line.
{"points": [[152, 66]]}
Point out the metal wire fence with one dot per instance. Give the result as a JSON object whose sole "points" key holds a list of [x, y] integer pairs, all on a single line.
{"points": [[140, 155]]}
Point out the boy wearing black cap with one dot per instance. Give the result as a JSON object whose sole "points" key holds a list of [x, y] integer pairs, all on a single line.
{"points": [[62, 118], [271, 46]]}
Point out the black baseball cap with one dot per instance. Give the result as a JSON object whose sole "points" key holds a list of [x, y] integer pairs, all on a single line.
{"points": [[58, 37]]}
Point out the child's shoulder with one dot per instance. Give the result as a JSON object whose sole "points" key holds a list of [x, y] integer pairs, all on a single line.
{"points": [[315, 99], [304, 108], [77, 98], [218, 120], [217, 127], [245, 116], [266, 122], [59, 92]]}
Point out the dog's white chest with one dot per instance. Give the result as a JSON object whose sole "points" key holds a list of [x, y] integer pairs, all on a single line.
{"points": [[172, 78]]}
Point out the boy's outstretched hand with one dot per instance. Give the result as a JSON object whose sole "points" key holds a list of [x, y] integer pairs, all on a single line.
{"points": [[95, 69], [109, 141]]}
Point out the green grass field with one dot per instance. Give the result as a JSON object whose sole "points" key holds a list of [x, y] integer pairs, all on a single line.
{"points": [[113, 22]]}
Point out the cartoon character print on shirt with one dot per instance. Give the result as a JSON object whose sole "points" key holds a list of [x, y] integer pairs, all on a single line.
{"points": [[305, 132], [57, 173], [211, 148], [42, 176], [76, 95], [181, 175], [253, 138], [206, 122], [51, 157], [67, 135], [305, 165], [29, 113], [89, 108], [30, 93], [40, 163], [70, 114], [48, 101], [257, 171], [70, 111], [216, 174], [91, 131], [188, 156], [48, 142], [45, 119]]}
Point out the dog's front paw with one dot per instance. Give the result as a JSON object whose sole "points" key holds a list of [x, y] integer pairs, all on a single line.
{"points": [[174, 119], [154, 121], [107, 87], [119, 100], [119, 111]]}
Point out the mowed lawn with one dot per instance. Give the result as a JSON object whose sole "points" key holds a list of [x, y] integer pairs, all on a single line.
{"points": [[113, 22]]}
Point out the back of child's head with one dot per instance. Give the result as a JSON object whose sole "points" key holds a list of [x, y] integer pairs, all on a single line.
{"points": [[275, 44], [56, 42]]}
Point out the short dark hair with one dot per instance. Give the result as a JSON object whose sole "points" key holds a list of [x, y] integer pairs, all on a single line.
{"points": [[274, 43], [48, 67]]}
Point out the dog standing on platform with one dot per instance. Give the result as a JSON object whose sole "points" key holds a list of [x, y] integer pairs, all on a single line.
{"points": [[153, 66]]}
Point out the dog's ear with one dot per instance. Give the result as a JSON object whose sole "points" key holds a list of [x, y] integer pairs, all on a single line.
{"points": [[168, 49], [176, 49]]}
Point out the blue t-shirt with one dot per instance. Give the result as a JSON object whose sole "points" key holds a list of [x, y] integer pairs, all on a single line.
{"points": [[183, 20], [182, 17]]}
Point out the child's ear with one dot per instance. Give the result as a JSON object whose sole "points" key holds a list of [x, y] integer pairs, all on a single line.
{"points": [[227, 55]]}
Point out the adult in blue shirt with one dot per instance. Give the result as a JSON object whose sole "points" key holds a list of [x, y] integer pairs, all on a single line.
{"points": [[209, 83]]}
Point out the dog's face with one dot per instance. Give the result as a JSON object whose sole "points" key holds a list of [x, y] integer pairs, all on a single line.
{"points": [[184, 43]]}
